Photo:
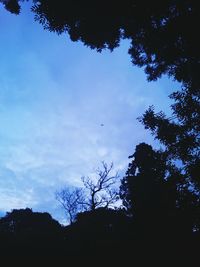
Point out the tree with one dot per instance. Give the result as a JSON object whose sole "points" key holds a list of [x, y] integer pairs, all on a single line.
{"points": [[32, 236], [162, 33], [143, 189], [12, 5], [156, 195], [180, 133], [180, 136], [97, 192], [30, 230], [19, 220], [101, 189], [71, 200]]}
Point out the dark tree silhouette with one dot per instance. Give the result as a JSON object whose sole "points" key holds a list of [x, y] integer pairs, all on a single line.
{"points": [[99, 191], [102, 189], [155, 193], [12, 5], [27, 226], [143, 189], [71, 199], [26, 235], [100, 234], [162, 33], [180, 133], [164, 212]]}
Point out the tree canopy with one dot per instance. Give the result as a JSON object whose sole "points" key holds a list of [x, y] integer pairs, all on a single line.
{"points": [[156, 195], [162, 33], [180, 133]]}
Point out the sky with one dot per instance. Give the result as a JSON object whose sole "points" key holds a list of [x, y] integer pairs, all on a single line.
{"points": [[54, 97]]}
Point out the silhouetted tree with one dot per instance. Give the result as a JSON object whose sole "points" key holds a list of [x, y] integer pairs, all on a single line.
{"points": [[100, 234], [12, 5], [28, 237], [163, 41], [180, 133], [156, 195], [25, 234], [26, 223], [143, 189], [72, 200], [102, 189], [99, 191], [162, 33]]}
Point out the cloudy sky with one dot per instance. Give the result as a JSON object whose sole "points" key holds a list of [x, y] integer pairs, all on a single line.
{"points": [[54, 96]]}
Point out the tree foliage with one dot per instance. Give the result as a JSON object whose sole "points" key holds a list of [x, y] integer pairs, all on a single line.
{"points": [[162, 33], [180, 133], [143, 189], [12, 5], [156, 195], [28, 230], [99, 191], [21, 220]]}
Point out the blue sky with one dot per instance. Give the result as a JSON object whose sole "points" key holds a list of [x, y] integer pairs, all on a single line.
{"points": [[54, 96]]}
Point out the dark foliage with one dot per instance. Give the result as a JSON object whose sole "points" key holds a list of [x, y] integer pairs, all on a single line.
{"points": [[180, 134], [156, 195], [12, 6], [162, 33], [164, 211], [143, 186], [29, 229], [101, 236]]}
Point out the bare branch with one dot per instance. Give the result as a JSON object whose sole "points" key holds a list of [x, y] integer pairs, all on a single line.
{"points": [[71, 199], [100, 191]]}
